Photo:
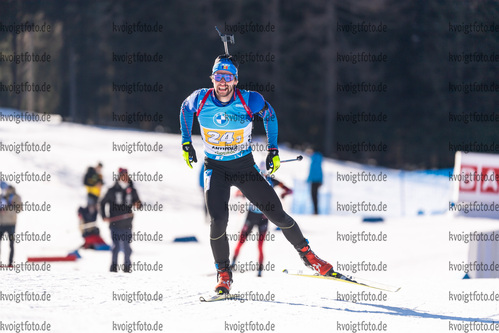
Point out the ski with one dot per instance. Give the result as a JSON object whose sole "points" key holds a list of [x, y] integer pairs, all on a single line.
{"points": [[347, 279], [222, 297]]}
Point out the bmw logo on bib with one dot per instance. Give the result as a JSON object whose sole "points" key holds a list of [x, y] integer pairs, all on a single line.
{"points": [[221, 119]]}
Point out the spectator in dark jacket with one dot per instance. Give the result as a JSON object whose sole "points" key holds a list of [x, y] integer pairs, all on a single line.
{"points": [[10, 206], [116, 208]]}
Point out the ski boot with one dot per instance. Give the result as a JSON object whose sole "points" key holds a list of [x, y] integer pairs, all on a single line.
{"points": [[224, 276], [312, 261], [260, 269]]}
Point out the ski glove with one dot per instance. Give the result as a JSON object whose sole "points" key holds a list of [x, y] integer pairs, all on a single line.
{"points": [[189, 154], [273, 161]]}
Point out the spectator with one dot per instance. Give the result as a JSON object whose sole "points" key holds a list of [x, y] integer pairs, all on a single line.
{"points": [[10, 206], [93, 182], [120, 198], [315, 178]]}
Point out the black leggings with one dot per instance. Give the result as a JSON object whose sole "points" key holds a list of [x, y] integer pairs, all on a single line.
{"points": [[315, 196], [244, 174], [10, 230]]}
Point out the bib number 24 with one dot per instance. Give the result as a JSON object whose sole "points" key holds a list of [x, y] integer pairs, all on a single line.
{"points": [[224, 138]]}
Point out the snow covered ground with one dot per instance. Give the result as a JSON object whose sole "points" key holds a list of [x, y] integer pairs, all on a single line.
{"points": [[84, 297]]}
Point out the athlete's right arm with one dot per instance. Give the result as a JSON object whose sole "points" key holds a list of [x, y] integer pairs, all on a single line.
{"points": [[187, 111]]}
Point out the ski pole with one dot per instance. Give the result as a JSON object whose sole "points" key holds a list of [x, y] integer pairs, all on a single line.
{"points": [[298, 158]]}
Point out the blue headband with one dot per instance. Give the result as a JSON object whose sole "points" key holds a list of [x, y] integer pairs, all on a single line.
{"points": [[224, 64]]}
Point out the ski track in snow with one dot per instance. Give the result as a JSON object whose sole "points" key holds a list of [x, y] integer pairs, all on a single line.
{"points": [[417, 252]]}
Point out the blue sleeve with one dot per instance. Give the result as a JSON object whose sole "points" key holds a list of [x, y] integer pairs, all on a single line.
{"points": [[262, 108], [187, 111]]}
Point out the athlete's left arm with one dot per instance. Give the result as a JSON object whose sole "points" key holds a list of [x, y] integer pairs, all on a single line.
{"points": [[259, 106]]}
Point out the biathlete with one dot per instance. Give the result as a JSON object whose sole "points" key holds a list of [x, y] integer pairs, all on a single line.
{"points": [[225, 116], [255, 217]]}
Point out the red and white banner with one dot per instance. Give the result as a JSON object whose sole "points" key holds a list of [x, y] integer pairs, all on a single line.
{"points": [[476, 189]]}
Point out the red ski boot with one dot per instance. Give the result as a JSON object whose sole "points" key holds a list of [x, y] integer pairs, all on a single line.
{"points": [[224, 281], [317, 264]]}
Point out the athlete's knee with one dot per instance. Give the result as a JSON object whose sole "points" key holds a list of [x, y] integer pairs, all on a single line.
{"points": [[218, 228], [282, 220]]}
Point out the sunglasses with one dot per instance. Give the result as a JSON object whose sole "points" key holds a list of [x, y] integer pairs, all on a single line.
{"points": [[227, 77]]}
